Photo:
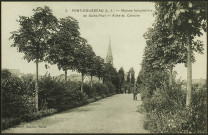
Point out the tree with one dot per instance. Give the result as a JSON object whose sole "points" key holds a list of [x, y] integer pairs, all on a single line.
{"points": [[32, 36], [63, 43], [99, 67], [109, 71], [139, 81], [121, 78], [115, 79], [128, 77], [186, 19], [92, 69], [163, 53], [132, 72], [84, 54]]}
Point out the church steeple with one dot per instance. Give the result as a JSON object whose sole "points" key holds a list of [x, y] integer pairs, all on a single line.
{"points": [[109, 57]]}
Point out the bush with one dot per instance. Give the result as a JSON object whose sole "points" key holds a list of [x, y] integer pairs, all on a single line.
{"points": [[9, 122], [89, 91], [151, 81], [59, 94], [17, 96], [112, 88], [198, 119], [38, 115], [100, 89], [166, 111]]}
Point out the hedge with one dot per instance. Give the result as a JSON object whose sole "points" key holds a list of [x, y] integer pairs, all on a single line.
{"points": [[55, 95]]}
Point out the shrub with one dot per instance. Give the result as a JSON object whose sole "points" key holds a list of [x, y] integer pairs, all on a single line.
{"points": [[5, 74], [198, 120], [88, 90], [151, 81], [112, 88], [166, 111], [9, 122], [17, 98], [59, 94], [38, 115], [51, 90], [100, 89]]}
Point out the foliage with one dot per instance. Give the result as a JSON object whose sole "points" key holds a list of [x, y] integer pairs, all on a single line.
{"points": [[111, 76], [101, 89], [130, 76], [180, 119], [17, 95], [5, 74], [58, 94], [166, 112], [139, 83], [12, 121], [99, 66], [84, 56], [9, 122], [112, 89], [63, 44], [31, 39], [132, 72], [121, 78], [54, 95], [38, 115], [183, 17], [186, 20], [89, 91]]}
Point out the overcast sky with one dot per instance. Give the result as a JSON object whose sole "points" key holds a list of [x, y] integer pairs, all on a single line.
{"points": [[127, 42]]}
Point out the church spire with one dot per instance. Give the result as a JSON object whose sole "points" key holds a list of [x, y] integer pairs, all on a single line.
{"points": [[109, 57]]}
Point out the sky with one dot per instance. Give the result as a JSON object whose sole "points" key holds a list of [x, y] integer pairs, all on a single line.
{"points": [[126, 33]]}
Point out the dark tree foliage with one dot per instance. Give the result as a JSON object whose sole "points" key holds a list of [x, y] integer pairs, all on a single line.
{"points": [[63, 44]]}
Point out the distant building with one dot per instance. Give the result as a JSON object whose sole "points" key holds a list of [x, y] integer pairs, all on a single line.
{"points": [[109, 57]]}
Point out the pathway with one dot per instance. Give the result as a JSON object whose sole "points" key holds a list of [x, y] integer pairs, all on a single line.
{"points": [[115, 114]]}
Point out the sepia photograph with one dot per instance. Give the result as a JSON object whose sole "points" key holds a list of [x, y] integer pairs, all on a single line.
{"points": [[104, 67]]}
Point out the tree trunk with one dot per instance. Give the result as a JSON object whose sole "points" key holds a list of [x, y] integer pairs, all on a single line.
{"points": [[99, 79], [91, 81], [171, 77], [36, 87], [82, 82], [66, 75], [189, 73]]}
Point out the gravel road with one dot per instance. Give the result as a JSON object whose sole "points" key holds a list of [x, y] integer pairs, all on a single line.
{"points": [[115, 114]]}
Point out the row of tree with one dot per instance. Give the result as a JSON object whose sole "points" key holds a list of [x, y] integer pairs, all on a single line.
{"points": [[44, 38], [172, 39]]}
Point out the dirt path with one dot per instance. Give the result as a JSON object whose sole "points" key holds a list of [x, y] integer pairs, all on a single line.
{"points": [[116, 114]]}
